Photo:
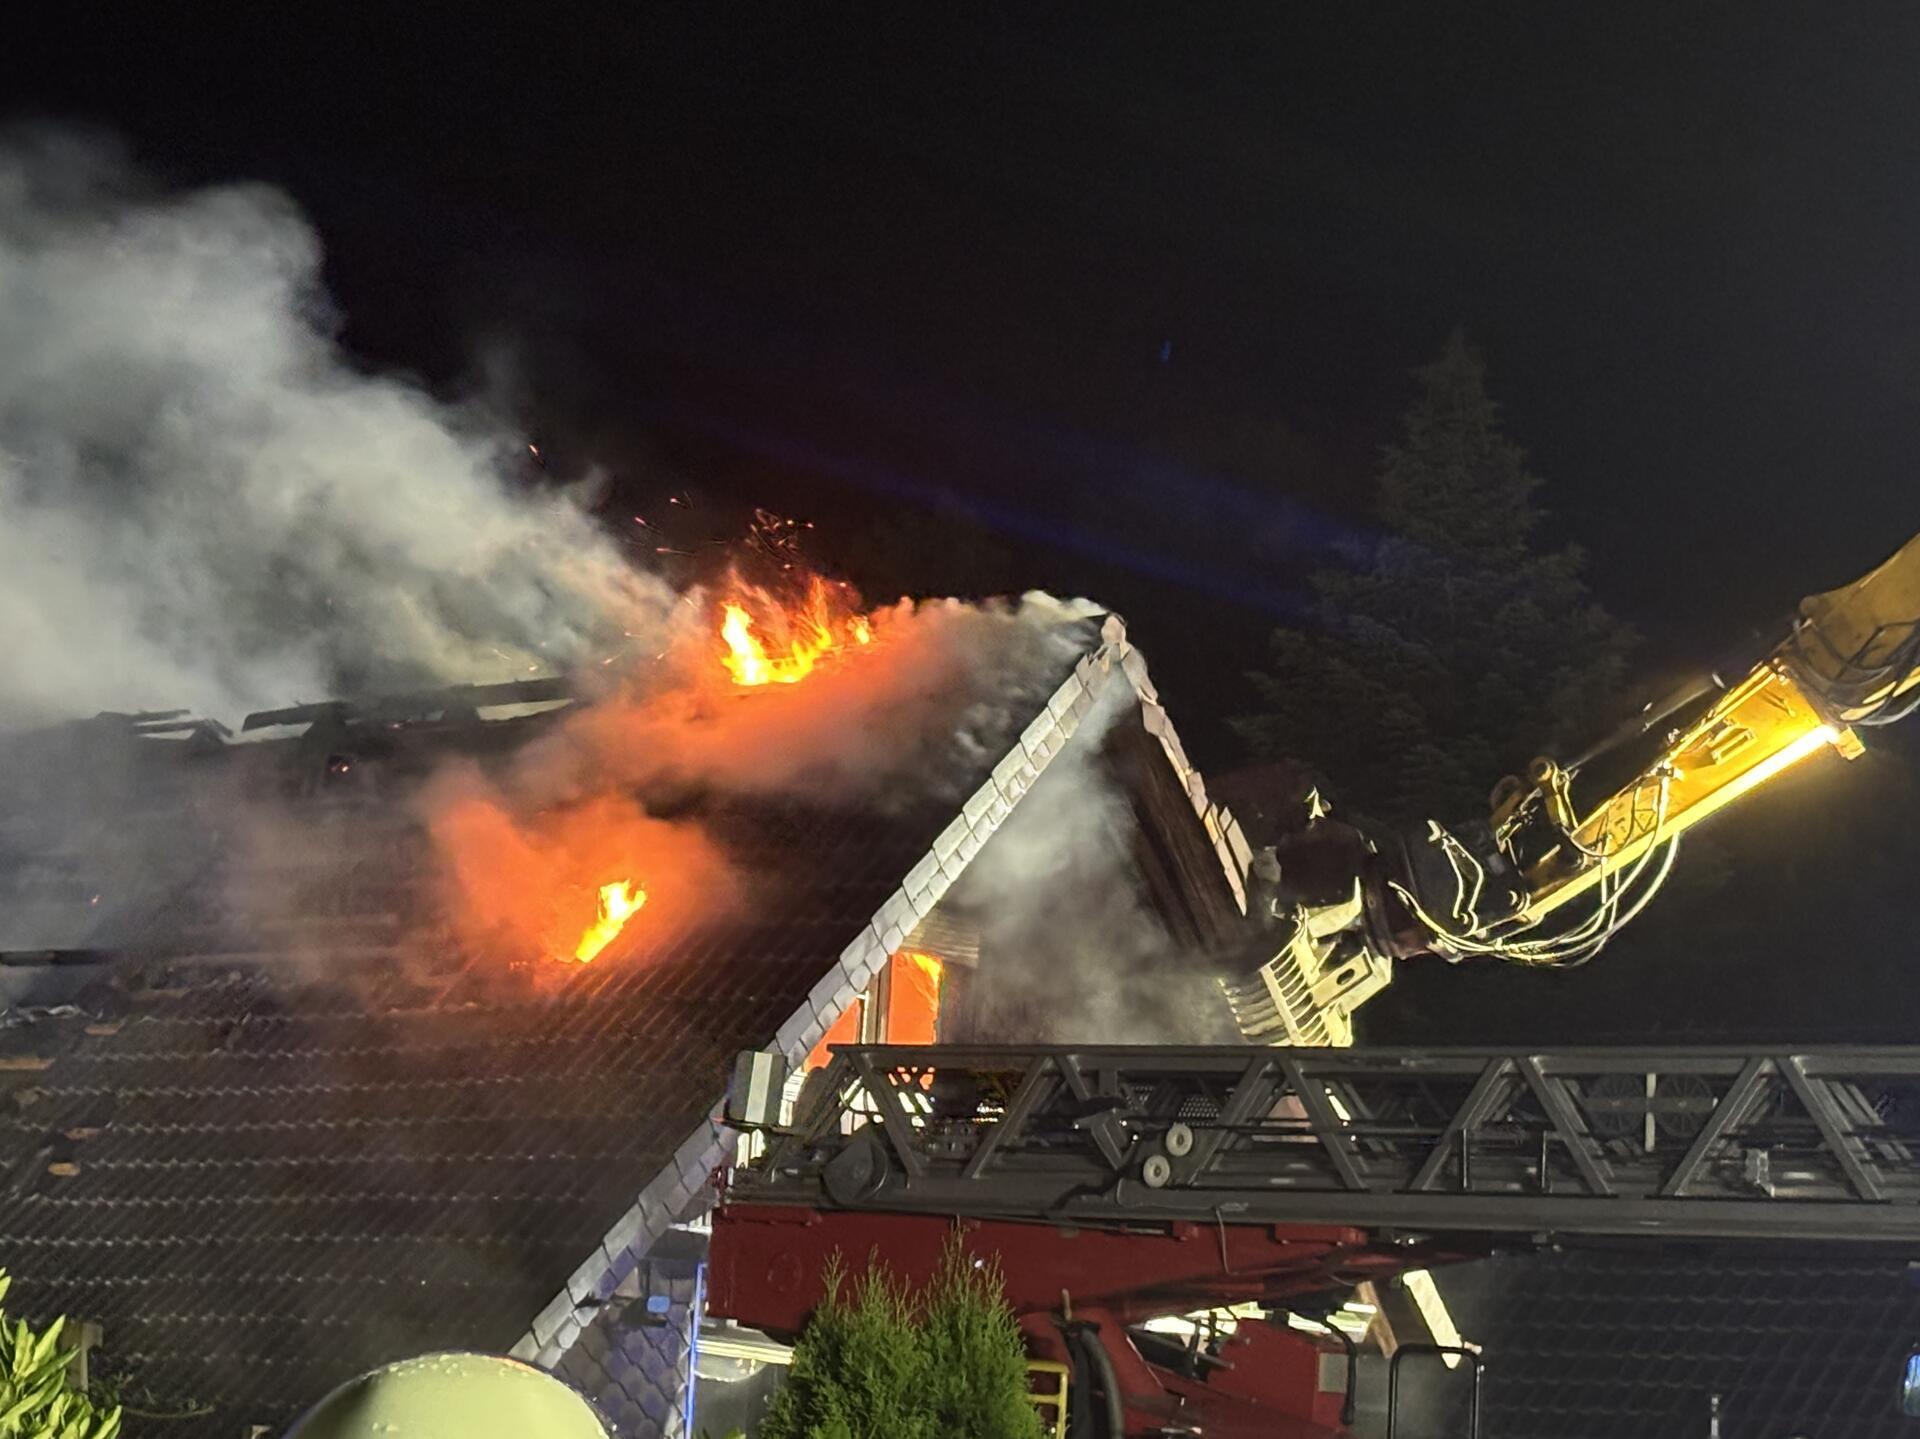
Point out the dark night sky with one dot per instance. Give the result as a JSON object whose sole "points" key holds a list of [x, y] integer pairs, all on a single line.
{"points": [[1146, 297]]}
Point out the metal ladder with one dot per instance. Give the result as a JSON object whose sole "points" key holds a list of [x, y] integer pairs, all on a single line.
{"points": [[1720, 1143]]}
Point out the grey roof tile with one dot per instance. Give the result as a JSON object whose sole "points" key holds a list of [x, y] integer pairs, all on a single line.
{"points": [[288, 1172], [283, 1182]]}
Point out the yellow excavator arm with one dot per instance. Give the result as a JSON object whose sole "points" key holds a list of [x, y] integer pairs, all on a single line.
{"points": [[1761, 727], [1852, 658], [1850, 661], [1858, 641]]}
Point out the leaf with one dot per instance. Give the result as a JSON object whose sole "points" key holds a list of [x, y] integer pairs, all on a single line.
{"points": [[35, 1400], [43, 1351], [10, 1416]]}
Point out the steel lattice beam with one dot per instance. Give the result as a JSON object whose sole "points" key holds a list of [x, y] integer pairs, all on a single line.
{"points": [[1709, 1143]]}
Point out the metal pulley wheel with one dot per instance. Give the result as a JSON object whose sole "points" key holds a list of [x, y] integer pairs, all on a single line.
{"points": [[855, 1174]]}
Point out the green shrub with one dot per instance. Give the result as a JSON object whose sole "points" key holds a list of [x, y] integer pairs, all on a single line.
{"points": [[878, 1362], [859, 1370], [977, 1384], [35, 1400]]}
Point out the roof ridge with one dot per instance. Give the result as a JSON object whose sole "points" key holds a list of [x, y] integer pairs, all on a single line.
{"points": [[557, 1326]]}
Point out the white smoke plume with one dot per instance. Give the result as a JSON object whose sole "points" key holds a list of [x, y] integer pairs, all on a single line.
{"points": [[1071, 951], [204, 504]]}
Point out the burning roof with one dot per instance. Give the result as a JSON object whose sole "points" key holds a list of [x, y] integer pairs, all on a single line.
{"points": [[393, 1024], [313, 1110]]}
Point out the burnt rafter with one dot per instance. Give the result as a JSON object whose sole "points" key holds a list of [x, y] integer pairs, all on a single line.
{"points": [[1690, 1143]]}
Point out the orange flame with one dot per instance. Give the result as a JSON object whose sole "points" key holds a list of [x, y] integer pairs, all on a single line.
{"points": [[619, 902], [931, 972], [913, 1002], [807, 633]]}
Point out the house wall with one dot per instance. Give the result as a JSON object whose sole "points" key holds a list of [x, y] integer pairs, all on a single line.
{"points": [[902, 1005]]}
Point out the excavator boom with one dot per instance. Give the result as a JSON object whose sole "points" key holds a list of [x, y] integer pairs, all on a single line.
{"points": [[1546, 882], [1858, 644], [1760, 728], [1851, 658]]}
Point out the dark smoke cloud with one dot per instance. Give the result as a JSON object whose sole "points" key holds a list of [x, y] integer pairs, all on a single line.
{"points": [[203, 504]]}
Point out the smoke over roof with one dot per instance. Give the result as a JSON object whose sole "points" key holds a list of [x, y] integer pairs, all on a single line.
{"points": [[203, 503]]}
